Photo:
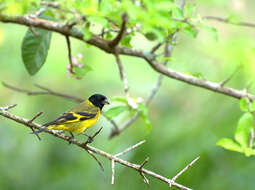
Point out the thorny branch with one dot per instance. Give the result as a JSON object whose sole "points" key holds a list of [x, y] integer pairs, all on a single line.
{"points": [[149, 57], [4, 112]]}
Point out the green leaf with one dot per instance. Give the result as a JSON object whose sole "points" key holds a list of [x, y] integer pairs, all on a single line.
{"points": [[177, 13], [81, 72], [212, 31], [248, 151], [245, 125], [86, 34], [119, 99], [229, 144], [244, 104], [198, 75], [191, 31], [35, 49], [144, 116], [126, 41], [98, 19], [115, 111], [252, 106]]}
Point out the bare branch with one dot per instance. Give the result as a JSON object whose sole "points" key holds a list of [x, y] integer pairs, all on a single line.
{"points": [[37, 115], [136, 167], [228, 21], [91, 138], [120, 35], [155, 48], [46, 91], [69, 53], [7, 107], [184, 169], [230, 76], [31, 121], [113, 170], [130, 148], [95, 158], [145, 179], [122, 75]]}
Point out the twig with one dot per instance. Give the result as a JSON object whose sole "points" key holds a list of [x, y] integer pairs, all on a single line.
{"points": [[117, 39], [122, 74], [7, 107], [155, 48], [37, 115], [91, 138], [46, 91], [34, 32], [228, 21], [251, 138], [129, 148], [113, 170], [167, 53], [69, 53], [31, 120], [95, 158], [184, 169], [92, 149], [145, 179], [230, 76]]}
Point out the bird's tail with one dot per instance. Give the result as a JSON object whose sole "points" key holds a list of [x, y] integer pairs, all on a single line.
{"points": [[38, 131]]}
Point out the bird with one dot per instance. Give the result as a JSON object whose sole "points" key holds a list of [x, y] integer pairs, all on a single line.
{"points": [[79, 118]]}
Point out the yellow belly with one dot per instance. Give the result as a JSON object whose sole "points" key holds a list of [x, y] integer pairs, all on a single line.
{"points": [[77, 127]]}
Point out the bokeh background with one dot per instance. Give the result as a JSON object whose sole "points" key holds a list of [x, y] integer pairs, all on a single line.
{"points": [[186, 121]]}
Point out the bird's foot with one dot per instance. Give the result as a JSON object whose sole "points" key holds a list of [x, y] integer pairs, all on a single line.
{"points": [[70, 138]]}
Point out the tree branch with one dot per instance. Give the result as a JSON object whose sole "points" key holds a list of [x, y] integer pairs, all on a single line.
{"points": [[25, 122], [147, 56], [121, 33], [228, 21], [45, 91], [69, 53]]}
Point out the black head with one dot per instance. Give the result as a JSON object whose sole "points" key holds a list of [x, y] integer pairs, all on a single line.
{"points": [[98, 100]]}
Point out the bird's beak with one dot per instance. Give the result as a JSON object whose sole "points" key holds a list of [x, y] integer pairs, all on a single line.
{"points": [[106, 101]]}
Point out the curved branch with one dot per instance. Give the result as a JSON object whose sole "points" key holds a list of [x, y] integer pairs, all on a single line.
{"points": [[146, 55], [26, 122]]}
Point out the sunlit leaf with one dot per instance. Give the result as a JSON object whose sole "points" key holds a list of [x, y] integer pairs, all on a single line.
{"points": [[87, 34], [229, 144], [245, 125], [81, 72], [252, 106], [115, 111], [177, 13], [244, 104], [119, 99], [144, 115]]}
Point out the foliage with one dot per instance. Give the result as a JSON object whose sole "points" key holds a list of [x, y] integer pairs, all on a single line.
{"points": [[244, 131], [186, 121]]}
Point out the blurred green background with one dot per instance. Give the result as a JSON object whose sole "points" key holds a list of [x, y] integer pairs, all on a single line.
{"points": [[187, 121]]}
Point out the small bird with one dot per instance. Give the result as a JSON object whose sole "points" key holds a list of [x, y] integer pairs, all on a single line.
{"points": [[79, 118]]}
